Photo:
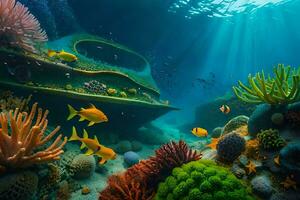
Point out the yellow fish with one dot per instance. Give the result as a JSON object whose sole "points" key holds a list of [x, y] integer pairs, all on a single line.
{"points": [[199, 132], [91, 114], [93, 146], [62, 55]]}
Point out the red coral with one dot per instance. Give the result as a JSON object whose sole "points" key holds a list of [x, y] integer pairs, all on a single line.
{"points": [[139, 181], [18, 27]]}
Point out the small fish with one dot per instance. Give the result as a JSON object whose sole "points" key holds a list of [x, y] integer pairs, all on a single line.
{"points": [[91, 114], [62, 55], [93, 146], [225, 109], [199, 132]]}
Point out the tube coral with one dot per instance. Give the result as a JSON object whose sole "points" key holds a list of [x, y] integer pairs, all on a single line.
{"points": [[19, 137], [18, 27], [281, 89], [140, 181]]}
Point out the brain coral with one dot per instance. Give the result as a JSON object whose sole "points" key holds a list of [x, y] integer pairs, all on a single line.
{"points": [[270, 139], [235, 123], [82, 166], [18, 186], [230, 147], [202, 180]]}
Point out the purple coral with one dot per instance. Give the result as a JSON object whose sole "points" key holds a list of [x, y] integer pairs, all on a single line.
{"points": [[95, 87], [18, 27]]}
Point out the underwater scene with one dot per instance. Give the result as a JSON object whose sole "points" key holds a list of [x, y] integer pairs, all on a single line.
{"points": [[149, 100]]}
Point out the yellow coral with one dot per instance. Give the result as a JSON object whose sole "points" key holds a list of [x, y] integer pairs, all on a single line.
{"points": [[17, 143], [111, 91], [8, 101], [132, 91], [123, 94]]}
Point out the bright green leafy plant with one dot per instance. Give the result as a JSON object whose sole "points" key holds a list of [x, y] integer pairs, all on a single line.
{"points": [[283, 88]]}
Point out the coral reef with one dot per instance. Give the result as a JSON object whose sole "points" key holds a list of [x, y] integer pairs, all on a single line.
{"points": [[217, 132], [8, 101], [131, 158], [18, 186], [275, 90], [41, 10], [202, 180], [260, 119], [270, 139], [261, 185], [289, 158], [252, 148], [230, 147], [63, 192], [21, 134], [82, 166], [235, 123], [94, 86], [18, 27], [140, 180]]}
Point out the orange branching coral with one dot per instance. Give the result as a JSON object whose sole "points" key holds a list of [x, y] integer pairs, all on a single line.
{"points": [[140, 181], [18, 142]]}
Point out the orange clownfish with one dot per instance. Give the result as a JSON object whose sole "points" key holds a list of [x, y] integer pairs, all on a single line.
{"points": [[92, 114], [225, 109], [199, 132], [93, 146]]}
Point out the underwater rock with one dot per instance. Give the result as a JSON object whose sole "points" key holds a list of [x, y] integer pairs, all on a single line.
{"points": [[260, 119], [230, 147], [152, 135], [243, 160], [82, 166], [238, 171], [290, 159], [18, 186], [235, 123], [131, 158], [277, 119], [217, 132], [21, 73], [123, 146], [136, 145], [261, 185]]}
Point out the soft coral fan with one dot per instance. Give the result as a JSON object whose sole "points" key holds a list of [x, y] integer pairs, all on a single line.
{"points": [[139, 181], [18, 27], [21, 135]]}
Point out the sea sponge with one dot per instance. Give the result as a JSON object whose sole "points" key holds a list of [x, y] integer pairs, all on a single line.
{"points": [[277, 119], [202, 179], [252, 149], [230, 147], [82, 166], [63, 192], [235, 123], [270, 139], [18, 186], [8, 101]]}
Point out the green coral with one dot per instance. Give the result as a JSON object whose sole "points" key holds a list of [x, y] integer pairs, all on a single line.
{"points": [[202, 180], [270, 139], [283, 88]]}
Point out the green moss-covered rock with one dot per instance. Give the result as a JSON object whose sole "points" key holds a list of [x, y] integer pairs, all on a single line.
{"points": [[202, 180]]}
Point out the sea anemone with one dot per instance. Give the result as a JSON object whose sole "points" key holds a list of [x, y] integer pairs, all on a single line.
{"points": [[19, 29]]}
